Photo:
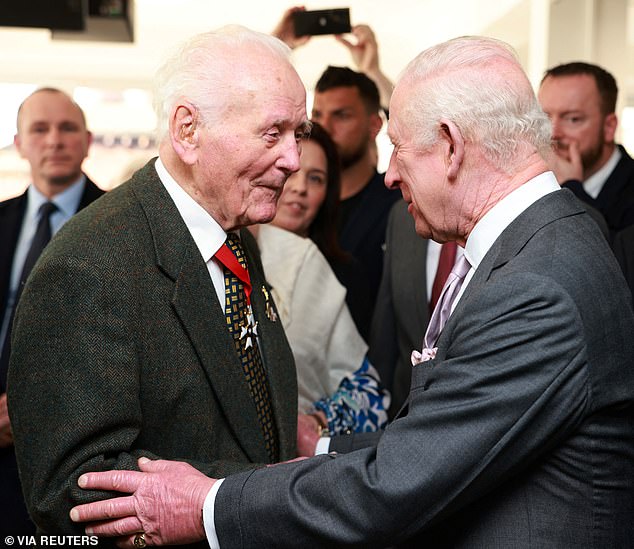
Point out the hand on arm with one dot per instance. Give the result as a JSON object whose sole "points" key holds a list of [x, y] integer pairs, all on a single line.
{"points": [[365, 54], [166, 503], [6, 435], [285, 30]]}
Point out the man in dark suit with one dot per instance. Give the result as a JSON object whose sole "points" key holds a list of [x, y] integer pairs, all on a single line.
{"points": [[401, 313], [580, 99], [519, 428], [53, 138], [126, 341]]}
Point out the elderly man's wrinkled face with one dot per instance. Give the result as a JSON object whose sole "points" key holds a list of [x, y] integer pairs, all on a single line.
{"points": [[420, 174], [247, 157]]}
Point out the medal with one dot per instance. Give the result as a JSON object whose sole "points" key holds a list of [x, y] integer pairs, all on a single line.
{"points": [[249, 331], [268, 306]]}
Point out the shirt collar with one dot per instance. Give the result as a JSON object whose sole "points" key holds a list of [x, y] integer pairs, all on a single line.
{"points": [[498, 218], [67, 201], [595, 182], [207, 234]]}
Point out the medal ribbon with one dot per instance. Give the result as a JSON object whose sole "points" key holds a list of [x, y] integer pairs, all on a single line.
{"points": [[230, 261]]}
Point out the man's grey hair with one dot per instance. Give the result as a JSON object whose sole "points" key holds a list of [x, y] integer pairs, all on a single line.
{"points": [[205, 68], [478, 84]]}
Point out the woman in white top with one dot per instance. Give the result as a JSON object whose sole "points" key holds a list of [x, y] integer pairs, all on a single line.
{"points": [[339, 390]]}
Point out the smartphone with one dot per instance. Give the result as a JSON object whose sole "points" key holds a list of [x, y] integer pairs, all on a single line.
{"points": [[311, 23]]}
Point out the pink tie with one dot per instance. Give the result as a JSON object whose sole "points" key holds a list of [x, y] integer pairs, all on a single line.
{"points": [[443, 307]]}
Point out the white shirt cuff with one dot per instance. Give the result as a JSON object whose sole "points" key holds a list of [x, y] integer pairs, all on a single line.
{"points": [[323, 446], [208, 515]]}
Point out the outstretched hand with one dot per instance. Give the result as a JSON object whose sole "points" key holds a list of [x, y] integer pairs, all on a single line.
{"points": [[364, 51], [165, 504]]}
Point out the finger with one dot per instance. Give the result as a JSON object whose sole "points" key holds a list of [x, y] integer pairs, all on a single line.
{"points": [[105, 509], [118, 481], [361, 32], [163, 465], [575, 156], [339, 38], [128, 526]]}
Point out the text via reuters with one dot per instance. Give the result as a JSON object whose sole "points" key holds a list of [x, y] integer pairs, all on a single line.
{"points": [[50, 541]]}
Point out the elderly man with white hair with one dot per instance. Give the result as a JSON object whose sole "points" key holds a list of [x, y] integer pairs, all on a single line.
{"points": [[147, 328], [519, 426]]}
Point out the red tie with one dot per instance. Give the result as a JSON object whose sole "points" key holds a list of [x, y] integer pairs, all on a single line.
{"points": [[445, 264]]}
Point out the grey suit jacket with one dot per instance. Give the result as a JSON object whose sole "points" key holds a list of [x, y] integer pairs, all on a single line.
{"points": [[519, 433], [121, 350], [401, 313]]}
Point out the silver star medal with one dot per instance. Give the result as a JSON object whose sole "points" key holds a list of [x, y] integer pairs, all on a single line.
{"points": [[250, 330]]}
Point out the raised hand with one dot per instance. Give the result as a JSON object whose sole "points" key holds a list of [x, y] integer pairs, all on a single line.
{"points": [[285, 29]]}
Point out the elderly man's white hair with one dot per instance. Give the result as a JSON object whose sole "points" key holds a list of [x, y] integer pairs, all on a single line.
{"points": [[479, 85], [205, 67]]}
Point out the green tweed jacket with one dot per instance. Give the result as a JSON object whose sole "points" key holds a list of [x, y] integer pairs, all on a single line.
{"points": [[121, 350]]}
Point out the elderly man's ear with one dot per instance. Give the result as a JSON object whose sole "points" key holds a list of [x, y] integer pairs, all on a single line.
{"points": [[454, 146], [184, 132]]}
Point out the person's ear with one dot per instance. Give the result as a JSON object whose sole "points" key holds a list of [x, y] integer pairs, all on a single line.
{"points": [[609, 127], [376, 122], [18, 144], [183, 130], [454, 143]]}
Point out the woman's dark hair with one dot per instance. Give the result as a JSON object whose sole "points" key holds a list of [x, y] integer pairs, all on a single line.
{"points": [[323, 229]]}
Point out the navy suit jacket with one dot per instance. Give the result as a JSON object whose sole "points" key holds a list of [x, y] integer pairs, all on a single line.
{"points": [[519, 432], [616, 199]]}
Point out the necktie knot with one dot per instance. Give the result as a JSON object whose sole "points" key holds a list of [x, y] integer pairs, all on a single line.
{"points": [[47, 209], [461, 268]]}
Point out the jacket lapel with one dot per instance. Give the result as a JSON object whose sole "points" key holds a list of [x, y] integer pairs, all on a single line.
{"points": [[194, 301], [547, 209]]}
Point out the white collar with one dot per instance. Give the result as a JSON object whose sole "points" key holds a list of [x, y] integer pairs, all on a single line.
{"points": [[205, 230], [498, 218], [595, 182]]}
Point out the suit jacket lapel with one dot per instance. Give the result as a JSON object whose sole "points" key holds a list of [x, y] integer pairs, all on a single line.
{"points": [[194, 301], [547, 209]]}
